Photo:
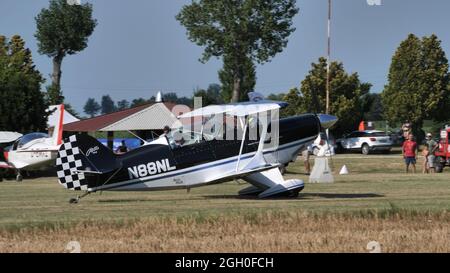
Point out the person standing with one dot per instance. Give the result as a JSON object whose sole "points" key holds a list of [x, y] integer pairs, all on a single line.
{"points": [[306, 154], [432, 147], [425, 155], [409, 152]]}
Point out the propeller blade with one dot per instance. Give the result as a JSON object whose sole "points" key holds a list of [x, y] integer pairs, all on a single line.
{"points": [[327, 121]]}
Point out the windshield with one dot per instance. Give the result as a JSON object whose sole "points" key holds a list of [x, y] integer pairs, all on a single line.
{"points": [[378, 134], [180, 137], [30, 137]]}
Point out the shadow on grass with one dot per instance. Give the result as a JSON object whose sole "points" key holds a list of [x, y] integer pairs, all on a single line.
{"points": [[156, 199], [248, 197], [341, 195], [301, 196]]}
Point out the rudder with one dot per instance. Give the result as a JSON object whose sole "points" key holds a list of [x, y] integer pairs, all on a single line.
{"points": [[80, 155]]}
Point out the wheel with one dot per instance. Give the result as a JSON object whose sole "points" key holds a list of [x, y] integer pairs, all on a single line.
{"points": [[19, 178], [365, 149], [316, 150], [73, 200]]}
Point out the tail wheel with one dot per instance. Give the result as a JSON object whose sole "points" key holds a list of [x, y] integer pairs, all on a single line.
{"points": [[365, 149]]}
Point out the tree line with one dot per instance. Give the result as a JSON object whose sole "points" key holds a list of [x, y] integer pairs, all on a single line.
{"points": [[418, 89], [211, 95]]}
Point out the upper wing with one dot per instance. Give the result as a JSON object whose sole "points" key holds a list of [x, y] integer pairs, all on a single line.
{"points": [[235, 109]]}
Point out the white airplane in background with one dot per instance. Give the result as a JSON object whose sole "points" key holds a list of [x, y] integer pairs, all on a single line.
{"points": [[35, 151]]}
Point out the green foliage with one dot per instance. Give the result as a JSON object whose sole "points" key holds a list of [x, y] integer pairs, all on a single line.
{"points": [[346, 96], [418, 83], [247, 81], [107, 105], [123, 104], [138, 102], [92, 107], [54, 95], [211, 95], [276, 97], [62, 29], [372, 107], [68, 107], [22, 105], [242, 32], [170, 97], [295, 101]]}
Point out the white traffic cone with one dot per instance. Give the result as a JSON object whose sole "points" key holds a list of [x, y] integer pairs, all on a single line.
{"points": [[344, 170]]}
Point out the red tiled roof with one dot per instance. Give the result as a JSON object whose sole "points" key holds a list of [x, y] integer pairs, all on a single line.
{"points": [[99, 122]]}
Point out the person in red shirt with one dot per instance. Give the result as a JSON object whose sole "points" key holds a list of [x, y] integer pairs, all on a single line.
{"points": [[409, 152]]}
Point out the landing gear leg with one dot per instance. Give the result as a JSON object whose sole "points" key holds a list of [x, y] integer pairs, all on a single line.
{"points": [[78, 198], [19, 177]]}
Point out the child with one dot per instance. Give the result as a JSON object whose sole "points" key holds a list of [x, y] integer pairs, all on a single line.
{"points": [[425, 154], [409, 152]]}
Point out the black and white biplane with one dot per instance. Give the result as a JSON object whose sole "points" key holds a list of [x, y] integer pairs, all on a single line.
{"points": [[253, 149]]}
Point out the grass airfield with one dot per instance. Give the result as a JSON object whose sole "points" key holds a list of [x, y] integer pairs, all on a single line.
{"points": [[377, 201]]}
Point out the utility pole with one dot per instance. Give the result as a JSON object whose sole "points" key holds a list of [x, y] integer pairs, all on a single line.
{"points": [[327, 107]]}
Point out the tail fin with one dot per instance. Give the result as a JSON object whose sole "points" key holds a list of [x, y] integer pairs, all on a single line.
{"points": [[58, 129], [79, 156]]}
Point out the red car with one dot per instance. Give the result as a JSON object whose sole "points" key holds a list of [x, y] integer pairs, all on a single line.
{"points": [[443, 153]]}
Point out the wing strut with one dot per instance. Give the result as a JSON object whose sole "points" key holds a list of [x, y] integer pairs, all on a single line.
{"points": [[243, 139]]}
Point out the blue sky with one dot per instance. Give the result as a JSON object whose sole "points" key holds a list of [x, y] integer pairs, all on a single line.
{"points": [[138, 48]]}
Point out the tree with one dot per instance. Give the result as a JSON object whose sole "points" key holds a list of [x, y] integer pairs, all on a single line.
{"points": [[295, 103], [138, 102], [211, 95], [373, 108], [170, 97], [68, 107], [241, 31], [123, 104], [63, 29], [345, 94], [418, 83], [108, 105], [276, 97], [185, 101], [92, 107], [23, 108], [247, 82]]}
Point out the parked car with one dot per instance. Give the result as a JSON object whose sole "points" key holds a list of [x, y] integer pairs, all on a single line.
{"points": [[320, 143], [366, 142]]}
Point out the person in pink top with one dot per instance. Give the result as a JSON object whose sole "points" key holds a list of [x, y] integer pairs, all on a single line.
{"points": [[409, 152]]}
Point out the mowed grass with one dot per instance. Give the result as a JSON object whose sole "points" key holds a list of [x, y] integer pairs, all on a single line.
{"points": [[376, 201]]}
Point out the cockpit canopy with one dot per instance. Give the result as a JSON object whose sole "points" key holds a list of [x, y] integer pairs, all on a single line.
{"points": [[28, 138]]}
